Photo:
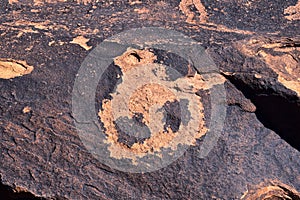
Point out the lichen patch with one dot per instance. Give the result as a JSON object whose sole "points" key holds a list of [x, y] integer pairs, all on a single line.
{"points": [[10, 68]]}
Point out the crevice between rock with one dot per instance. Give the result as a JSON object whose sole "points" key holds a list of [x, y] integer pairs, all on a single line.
{"points": [[276, 110], [9, 193]]}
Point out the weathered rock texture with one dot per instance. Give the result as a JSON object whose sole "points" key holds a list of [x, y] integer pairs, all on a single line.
{"points": [[254, 43]]}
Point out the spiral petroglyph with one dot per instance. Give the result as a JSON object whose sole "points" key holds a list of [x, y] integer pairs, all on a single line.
{"points": [[153, 114]]}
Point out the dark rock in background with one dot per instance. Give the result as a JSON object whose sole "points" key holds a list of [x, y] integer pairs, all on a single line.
{"points": [[40, 150], [3, 5]]}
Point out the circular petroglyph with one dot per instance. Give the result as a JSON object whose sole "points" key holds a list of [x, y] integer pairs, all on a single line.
{"points": [[146, 91], [153, 114]]}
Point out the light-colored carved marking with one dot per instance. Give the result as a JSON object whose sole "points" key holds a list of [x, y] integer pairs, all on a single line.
{"points": [[10, 68], [24, 26], [222, 28], [146, 97], [184, 7], [26, 109], [47, 27], [286, 65], [293, 12], [13, 1], [133, 2], [41, 2], [142, 11], [272, 190], [43, 25], [287, 68], [203, 20], [212, 80], [142, 100], [133, 57], [82, 41]]}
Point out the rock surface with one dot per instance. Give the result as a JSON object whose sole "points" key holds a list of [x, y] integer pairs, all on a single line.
{"points": [[255, 45]]}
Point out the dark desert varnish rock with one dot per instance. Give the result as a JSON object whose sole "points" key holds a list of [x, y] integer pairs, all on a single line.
{"points": [[255, 45]]}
